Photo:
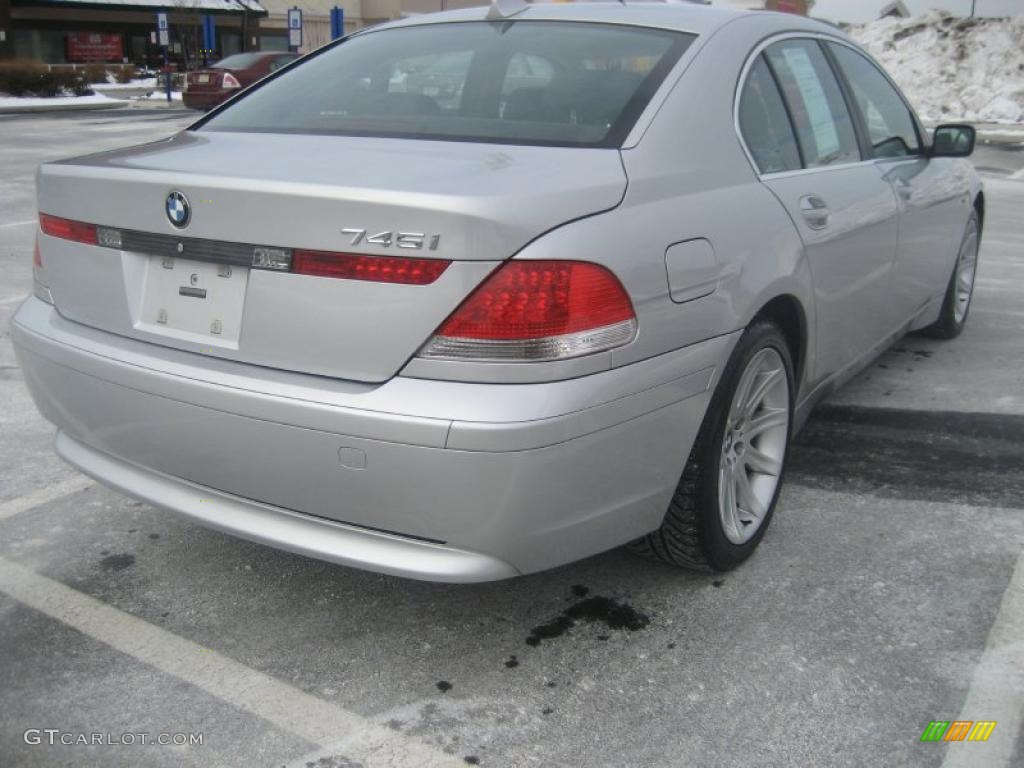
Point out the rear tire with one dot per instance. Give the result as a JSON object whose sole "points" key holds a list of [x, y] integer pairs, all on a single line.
{"points": [[957, 303], [746, 430]]}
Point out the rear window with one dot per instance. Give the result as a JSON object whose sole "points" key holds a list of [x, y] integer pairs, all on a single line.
{"points": [[239, 61], [525, 82]]}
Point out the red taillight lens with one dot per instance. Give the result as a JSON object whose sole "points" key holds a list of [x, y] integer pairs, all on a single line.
{"points": [[67, 229], [39, 287], [230, 81], [538, 310], [379, 269]]}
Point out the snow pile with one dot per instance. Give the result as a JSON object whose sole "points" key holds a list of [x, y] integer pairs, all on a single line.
{"points": [[14, 103], [952, 68]]}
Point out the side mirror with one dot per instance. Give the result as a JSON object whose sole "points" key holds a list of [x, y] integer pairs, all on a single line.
{"points": [[954, 140]]}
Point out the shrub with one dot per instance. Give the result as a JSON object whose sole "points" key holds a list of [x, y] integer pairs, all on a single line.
{"points": [[75, 82], [95, 73], [125, 73], [25, 77]]}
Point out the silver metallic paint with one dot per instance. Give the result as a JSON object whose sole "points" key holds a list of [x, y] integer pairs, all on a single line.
{"points": [[515, 467]]}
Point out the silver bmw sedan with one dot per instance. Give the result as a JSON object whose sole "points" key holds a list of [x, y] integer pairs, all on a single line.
{"points": [[475, 294]]}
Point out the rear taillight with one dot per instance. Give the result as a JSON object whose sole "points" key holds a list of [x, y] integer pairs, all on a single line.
{"points": [[538, 310], [40, 288], [66, 229], [379, 269], [230, 81]]}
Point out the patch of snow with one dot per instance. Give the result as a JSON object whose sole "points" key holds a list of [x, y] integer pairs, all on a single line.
{"points": [[26, 101], [161, 95], [953, 69], [146, 82]]}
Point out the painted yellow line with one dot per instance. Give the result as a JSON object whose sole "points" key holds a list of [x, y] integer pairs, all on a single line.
{"points": [[266, 697]]}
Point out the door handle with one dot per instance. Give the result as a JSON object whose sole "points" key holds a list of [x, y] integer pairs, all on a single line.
{"points": [[814, 211]]}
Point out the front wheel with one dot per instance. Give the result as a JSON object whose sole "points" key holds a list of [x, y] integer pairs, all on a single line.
{"points": [[729, 488]]}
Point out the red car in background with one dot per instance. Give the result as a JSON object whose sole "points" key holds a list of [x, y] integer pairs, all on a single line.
{"points": [[206, 88]]}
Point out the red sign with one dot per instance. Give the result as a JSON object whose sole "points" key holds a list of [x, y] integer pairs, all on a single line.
{"points": [[94, 46]]}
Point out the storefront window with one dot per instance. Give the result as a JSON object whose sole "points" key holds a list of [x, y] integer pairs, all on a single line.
{"points": [[43, 44]]}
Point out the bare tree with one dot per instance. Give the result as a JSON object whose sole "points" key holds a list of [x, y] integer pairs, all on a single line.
{"points": [[187, 26]]}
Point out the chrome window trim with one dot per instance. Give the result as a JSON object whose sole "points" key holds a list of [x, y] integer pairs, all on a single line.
{"points": [[821, 37]]}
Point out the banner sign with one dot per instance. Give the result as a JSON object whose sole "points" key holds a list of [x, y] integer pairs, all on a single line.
{"points": [[94, 46], [163, 31], [294, 28]]}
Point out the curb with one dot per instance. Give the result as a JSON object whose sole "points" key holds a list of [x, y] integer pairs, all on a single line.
{"points": [[28, 109]]}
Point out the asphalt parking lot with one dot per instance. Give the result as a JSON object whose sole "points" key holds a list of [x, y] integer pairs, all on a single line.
{"points": [[888, 593]]}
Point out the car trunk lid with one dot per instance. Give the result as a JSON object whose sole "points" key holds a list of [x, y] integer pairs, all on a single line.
{"points": [[471, 204], [204, 80]]}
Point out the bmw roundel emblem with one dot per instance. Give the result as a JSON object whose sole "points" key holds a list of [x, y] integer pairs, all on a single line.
{"points": [[178, 210]]}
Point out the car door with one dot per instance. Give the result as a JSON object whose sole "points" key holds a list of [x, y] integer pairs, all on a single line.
{"points": [[845, 212], [933, 194]]}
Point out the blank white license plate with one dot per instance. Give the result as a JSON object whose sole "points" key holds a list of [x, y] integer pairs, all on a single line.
{"points": [[194, 300], [202, 78]]}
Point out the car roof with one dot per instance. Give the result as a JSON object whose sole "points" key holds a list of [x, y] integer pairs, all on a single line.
{"points": [[682, 16]]}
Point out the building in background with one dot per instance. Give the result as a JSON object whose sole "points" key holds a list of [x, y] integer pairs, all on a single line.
{"points": [[316, 22], [114, 31], [73, 31]]}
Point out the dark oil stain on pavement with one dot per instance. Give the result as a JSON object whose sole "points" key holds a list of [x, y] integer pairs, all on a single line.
{"points": [[117, 562], [334, 761], [444, 686], [966, 458], [597, 609]]}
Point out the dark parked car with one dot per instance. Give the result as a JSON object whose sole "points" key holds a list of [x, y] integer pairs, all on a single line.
{"points": [[206, 88]]}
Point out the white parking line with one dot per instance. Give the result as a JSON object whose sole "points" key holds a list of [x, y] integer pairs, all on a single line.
{"points": [[273, 700], [24, 503], [18, 223], [997, 685]]}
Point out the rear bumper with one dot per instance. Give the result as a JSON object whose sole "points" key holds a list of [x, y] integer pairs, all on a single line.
{"points": [[282, 528], [446, 481], [204, 99]]}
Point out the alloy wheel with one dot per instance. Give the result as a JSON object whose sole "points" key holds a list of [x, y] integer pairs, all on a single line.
{"points": [[754, 446], [966, 266]]}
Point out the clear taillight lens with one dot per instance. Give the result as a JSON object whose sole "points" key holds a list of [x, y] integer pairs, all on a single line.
{"points": [[230, 81], [538, 310]]}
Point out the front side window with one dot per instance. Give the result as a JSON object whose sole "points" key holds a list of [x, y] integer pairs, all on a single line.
{"points": [[763, 121], [820, 117], [281, 61], [890, 127], [528, 82]]}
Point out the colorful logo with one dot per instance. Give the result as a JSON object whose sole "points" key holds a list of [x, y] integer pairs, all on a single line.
{"points": [[958, 730]]}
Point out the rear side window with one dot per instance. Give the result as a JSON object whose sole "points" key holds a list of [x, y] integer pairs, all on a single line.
{"points": [[524, 82], [764, 123], [822, 121], [239, 61], [890, 127]]}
